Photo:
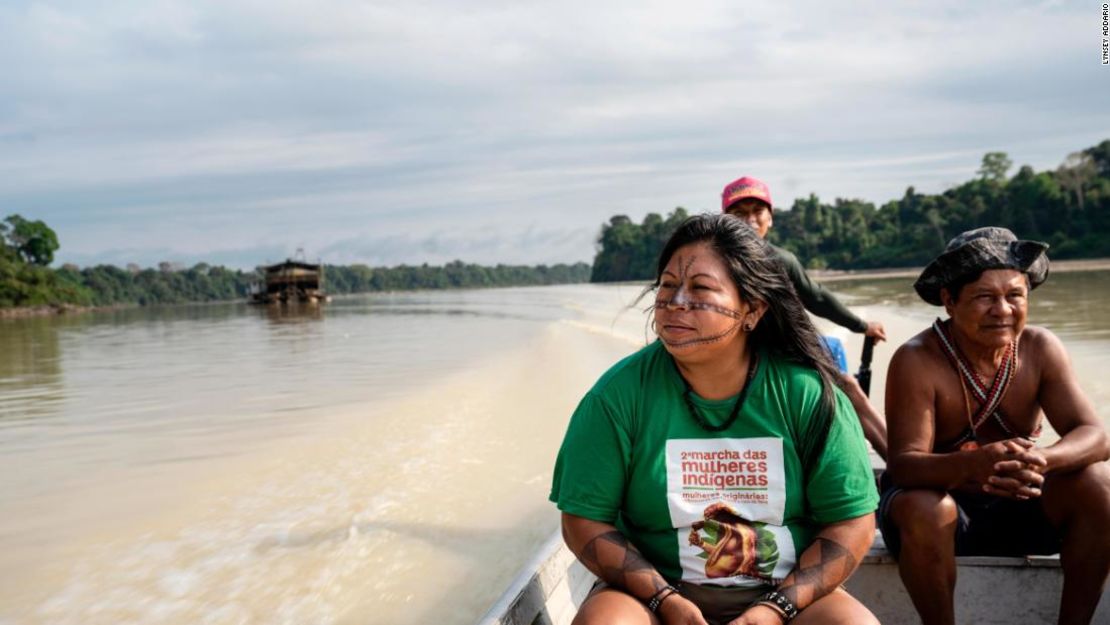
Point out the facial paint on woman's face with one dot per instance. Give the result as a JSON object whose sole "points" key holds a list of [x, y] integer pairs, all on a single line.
{"points": [[696, 305], [703, 340], [682, 299]]}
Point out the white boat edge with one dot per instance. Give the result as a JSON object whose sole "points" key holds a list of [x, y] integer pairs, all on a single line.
{"points": [[546, 591], [989, 591]]}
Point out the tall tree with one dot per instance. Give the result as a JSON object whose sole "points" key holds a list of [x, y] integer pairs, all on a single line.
{"points": [[628, 251], [6, 252], [34, 241], [1101, 156], [1077, 170], [994, 166]]}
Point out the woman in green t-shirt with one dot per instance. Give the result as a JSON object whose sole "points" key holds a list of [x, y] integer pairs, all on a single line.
{"points": [[718, 475]]}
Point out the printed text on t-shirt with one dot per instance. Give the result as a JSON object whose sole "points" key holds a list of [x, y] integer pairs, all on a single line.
{"points": [[741, 474]]}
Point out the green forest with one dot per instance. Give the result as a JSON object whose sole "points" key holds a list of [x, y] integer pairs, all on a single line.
{"points": [[453, 275], [27, 285], [26, 280], [1068, 207]]}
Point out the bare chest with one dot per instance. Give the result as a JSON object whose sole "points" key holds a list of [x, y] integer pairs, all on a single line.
{"points": [[958, 409]]}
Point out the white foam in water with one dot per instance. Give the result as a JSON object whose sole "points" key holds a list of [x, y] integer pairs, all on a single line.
{"points": [[325, 531]]}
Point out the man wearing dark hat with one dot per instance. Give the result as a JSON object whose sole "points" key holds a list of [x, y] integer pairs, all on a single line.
{"points": [[749, 199], [964, 405]]}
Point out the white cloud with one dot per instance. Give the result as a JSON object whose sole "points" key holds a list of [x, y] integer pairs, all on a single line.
{"points": [[212, 126]]}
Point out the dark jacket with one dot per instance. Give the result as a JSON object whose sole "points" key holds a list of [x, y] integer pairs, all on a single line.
{"points": [[814, 296]]}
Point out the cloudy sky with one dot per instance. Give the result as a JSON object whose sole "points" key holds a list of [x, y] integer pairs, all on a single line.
{"points": [[236, 131]]}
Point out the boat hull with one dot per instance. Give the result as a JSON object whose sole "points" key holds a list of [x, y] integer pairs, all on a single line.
{"points": [[989, 591]]}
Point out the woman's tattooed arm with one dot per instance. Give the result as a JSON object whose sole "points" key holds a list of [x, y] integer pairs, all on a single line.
{"points": [[829, 560], [609, 555]]}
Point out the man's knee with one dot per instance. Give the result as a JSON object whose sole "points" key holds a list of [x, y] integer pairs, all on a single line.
{"points": [[1081, 494], [1093, 482], [858, 615], [925, 514]]}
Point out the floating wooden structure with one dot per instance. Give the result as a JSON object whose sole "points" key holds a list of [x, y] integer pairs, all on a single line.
{"points": [[292, 281]]}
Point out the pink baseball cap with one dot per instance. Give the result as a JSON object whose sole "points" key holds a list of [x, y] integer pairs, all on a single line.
{"points": [[742, 188]]}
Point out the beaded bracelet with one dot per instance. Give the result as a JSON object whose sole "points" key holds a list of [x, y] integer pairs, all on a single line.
{"points": [[659, 597], [784, 605]]}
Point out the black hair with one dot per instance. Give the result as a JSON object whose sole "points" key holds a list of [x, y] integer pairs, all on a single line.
{"points": [[785, 329]]}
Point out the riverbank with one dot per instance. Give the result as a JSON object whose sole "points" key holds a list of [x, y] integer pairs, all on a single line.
{"points": [[1058, 266], [823, 275], [58, 309], [42, 311]]}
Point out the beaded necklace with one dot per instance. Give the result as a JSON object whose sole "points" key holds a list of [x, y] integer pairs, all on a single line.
{"points": [[702, 421], [989, 397]]}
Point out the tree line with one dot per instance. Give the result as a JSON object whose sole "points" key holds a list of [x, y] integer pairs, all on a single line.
{"points": [[1068, 207], [26, 248], [106, 285], [453, 275]]}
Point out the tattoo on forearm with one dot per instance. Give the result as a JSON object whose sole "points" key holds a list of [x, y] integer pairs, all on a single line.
{"points": [[822, 567], [612, 558]]}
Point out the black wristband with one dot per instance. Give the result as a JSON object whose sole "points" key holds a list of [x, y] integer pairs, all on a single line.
{"points": [[660, 596], [789, 610]]}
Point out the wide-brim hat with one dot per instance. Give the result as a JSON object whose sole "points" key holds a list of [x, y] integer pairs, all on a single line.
{"points": [[975, 251]]}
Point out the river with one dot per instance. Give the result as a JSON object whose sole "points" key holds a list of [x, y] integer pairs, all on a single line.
{"points": [[383, 459]]}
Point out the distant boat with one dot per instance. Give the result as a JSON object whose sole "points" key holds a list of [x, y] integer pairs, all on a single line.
{"points": [[290, 282]]}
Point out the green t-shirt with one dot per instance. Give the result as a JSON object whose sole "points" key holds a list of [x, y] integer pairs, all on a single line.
{"points": [[729, 508]]}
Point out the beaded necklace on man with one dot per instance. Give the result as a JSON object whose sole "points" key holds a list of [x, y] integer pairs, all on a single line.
{"points": [[990, 398]]}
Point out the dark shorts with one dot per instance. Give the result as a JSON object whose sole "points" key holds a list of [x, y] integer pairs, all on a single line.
{"points": [[718, 605], [985, 525]]}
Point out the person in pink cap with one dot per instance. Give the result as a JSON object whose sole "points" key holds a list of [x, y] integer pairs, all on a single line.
{"points": [[749, 199]]}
